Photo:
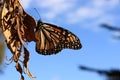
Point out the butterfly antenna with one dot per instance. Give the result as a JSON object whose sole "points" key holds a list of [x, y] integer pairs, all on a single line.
{"points": [[38, 13]]}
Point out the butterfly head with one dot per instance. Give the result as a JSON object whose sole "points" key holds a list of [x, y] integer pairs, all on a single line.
{"points": [[39, 24]]}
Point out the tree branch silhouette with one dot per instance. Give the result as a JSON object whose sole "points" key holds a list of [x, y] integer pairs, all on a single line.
{"points": [[109, 27], [113, 74], [112, 28]]}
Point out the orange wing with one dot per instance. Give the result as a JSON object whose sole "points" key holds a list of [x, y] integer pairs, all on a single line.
{"points": [[51, 39]]}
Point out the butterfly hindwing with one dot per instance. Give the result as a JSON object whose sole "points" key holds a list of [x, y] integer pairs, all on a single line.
{"points": [[51, 39]]}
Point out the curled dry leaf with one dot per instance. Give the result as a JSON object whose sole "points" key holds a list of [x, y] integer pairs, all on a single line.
{"points": [[2, 48], [26, 59], [19, 69], [29, 30], [0, 3], [18, 28], [0, 11]]}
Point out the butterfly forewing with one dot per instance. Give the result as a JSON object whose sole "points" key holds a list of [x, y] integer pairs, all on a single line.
{"points": [[51, 39], [46, 40]]}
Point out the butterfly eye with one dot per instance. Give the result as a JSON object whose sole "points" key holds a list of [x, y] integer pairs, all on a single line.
{"points": [[51, 39]]}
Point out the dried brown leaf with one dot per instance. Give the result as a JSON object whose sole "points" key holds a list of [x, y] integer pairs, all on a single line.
{"points": [[30, 24], [18, 28], [25, 62], [29, 74], [26, 57], [0, 3], [20, 35], [20, 70]]}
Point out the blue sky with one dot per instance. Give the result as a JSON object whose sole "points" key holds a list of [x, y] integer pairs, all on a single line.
{"points": [[83, 18]]}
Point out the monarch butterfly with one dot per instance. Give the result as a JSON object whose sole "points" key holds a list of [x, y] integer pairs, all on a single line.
{"points": [[51, 39]]}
